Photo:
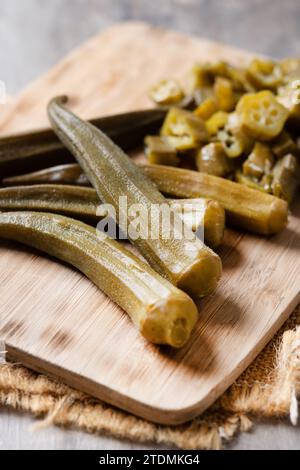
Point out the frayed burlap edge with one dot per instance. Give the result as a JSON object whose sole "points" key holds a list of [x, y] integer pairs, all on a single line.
{"points": [[268, 388]]}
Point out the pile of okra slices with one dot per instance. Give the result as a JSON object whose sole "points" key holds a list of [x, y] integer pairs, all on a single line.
{"points": [[238, 123]]}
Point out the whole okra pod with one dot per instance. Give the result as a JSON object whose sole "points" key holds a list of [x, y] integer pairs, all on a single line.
{"points": [[67, 173], [40, 149], [162, 313], [244, 208], [185, 261], [83, 203]]}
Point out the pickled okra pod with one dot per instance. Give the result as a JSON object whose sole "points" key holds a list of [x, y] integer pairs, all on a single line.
{"points": [[245, 207], [161, 312], [41, 149], [68, 173], [83, 203], [185, 261], [78, 202]]}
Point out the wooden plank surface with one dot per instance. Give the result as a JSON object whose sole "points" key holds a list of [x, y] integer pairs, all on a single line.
{"points": [[55, 320]]}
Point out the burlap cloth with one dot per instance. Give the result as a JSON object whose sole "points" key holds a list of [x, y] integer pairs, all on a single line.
{"points": [[268, 388]]}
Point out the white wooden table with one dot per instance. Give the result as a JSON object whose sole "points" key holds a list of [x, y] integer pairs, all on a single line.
{"points": [[16, 432], [35, 34]]}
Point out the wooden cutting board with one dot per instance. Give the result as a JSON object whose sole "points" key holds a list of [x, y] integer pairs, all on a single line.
{"points": [[56, 321]]}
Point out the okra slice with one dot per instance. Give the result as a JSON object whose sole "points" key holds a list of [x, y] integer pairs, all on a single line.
{"points": [[216, 122], [238, 76], [261, 115], [207, 108], [212, 159], [224, 93], [289, 97], [166, 92], [252, 182], [184, 260], [259, 162], [284, 144], [203, 75], [162, 313], [286, 174], [245, 207], [184, 129], [263, 73], [200, 76], [160, 152], [41, 149], [290, 68], [234, 140]]}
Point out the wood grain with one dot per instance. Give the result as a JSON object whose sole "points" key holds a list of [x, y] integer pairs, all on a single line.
{"points": [[56, 321]]}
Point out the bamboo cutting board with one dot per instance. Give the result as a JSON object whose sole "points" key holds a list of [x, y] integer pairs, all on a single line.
{"points": [[54, 320]]}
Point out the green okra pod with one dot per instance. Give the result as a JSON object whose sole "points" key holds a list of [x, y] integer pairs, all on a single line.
{"points": [[72, 201], [40, 149], [245, 207], [185, 261], [83, 203], [67, 173], [162, 313]]}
